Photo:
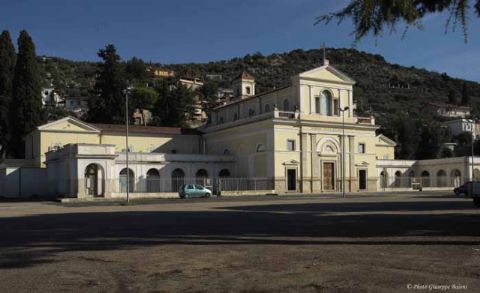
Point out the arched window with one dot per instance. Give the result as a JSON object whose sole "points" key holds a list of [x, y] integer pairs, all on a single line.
{"points": [[267, 108], [178, 179], [94, 181], [425, 179], [398, 178], [123, 180], [224, 173], [260, 148], [235, 116], [153, 180], [226, 152], [326, 103], [247, 90], [286, 105], [201, 177], [251, 112], [441, 178]]}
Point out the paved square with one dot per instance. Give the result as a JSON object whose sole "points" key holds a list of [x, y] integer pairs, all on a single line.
{"points": [[368, 243]]}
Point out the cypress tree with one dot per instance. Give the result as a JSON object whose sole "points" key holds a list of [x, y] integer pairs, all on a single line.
{"points": [[7, 68], [107, 105], [26, 107]]}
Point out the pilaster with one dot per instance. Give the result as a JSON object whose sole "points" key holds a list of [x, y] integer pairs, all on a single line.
{"points": [[304, 162]]}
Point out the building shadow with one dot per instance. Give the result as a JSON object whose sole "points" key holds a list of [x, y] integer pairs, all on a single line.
{"points": [[31, 240]]}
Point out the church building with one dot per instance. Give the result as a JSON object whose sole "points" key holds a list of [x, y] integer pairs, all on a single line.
{"points": [[301, 138]]}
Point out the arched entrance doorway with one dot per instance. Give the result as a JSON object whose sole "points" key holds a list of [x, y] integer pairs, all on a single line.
{"points": [[178, 179], [123, 180], [94, 181], [224, 173], [425, 179], [456, 176], [153, 180], [476, 175], [441, 178], [202, 177], [398, 179]]}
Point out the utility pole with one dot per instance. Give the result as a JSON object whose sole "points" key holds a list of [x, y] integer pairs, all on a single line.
{"points": [[343, 150]]}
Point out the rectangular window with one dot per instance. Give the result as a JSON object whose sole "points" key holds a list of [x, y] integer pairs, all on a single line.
{"points": [[291, 145], [317, 105], [361, 148], [336, 108]]}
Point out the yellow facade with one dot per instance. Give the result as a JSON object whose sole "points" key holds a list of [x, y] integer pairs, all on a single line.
{"points": [[309, 129], [68, 130]]}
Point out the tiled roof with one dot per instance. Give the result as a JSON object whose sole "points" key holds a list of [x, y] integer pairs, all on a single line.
{"points": [[244, 75], [139, 129], [444, 105]]}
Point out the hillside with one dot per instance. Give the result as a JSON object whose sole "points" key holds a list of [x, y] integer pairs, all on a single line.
{"points": [[384, 89], [396, 95]]}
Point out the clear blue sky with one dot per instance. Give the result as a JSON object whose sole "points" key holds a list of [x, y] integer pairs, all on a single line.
{"points": [[199, 31]]}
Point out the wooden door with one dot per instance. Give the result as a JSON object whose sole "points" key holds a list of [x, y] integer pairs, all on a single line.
{"points": [[328, 177]]}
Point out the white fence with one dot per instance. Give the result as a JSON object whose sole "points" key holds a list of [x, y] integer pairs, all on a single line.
{"points": [[424, 181], [159, 185]]}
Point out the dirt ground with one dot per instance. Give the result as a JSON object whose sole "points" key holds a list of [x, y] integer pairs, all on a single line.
{"points": [[379, 243]]}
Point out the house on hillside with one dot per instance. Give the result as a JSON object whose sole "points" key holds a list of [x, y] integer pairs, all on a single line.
{"points": [[450, 110], [458, 126], [51, 98], [77, 105]]}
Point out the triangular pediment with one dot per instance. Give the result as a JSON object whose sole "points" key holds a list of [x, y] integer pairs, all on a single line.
{"points": [[327, 73], [68, 124], [383, 140]]}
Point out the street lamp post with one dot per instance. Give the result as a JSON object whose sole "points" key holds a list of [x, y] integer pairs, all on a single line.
{"points": [[126, 143], [343, 150], [471, 167]]}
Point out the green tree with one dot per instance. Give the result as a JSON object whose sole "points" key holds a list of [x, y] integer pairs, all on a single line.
{"points": [[26, 111], [446, 153], [374, 16], [431, 142], [136, 70], [55, 113], [465, 95], [143, 98], [107, 105], [406, 138], [464, 144], [173, 104], [452, 97], [7, 68]]}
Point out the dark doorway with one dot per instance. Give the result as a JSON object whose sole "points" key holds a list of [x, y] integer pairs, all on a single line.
{"points": [[362, 179], [292, 179]]}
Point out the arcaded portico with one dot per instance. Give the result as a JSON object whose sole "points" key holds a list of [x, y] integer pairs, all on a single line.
{"points": [[88, 170]]}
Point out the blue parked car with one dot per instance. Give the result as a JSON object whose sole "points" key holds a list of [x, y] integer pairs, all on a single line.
{"points": [[467, 188], [194, 190]]}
